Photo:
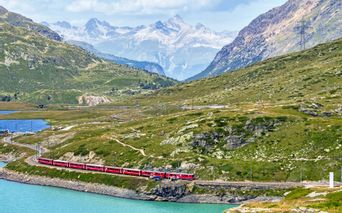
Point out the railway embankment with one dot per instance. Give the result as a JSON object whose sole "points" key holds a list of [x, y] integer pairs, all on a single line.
{"points": [[166, 191]]}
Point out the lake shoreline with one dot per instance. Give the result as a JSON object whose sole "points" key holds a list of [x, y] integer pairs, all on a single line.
{"points": [[120, 192]]}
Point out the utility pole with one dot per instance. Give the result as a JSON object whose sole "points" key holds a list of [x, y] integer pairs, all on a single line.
{"points": [[38, 150], [302, 31], [302, 34]]}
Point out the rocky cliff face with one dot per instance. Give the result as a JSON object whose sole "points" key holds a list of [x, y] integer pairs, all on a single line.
{"points": [[277, 32]]}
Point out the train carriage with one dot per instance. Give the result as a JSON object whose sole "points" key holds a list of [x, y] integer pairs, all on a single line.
{"points": [[94, 167], [61, 163], [45, 161], [152, 174], [181, 176], [77, 165], [146, 173], [114, 170], [133, 172], [184, 176]]}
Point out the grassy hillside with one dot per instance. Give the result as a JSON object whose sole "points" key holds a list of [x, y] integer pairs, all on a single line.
{"points": [[312, 75], [37, 69], [281, 121], [301, 199]]}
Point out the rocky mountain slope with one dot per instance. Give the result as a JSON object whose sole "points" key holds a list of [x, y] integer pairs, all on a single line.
{"points": [[181, 49], [277, 32], [18, 20], [144, 65], [36, 66]]}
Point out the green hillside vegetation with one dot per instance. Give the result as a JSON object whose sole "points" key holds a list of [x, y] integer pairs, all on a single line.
{"points": [[34, 68], [314, 74], [282, 121], [325, 200]]}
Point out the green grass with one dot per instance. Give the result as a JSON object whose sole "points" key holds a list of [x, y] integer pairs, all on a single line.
{"points": [[15, 150], [334, 202], [329, 201], [293, 78], [297, 193], [240, 192]]}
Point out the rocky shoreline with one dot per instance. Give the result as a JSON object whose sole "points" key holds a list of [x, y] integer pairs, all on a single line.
{"points": [[121, 192]]}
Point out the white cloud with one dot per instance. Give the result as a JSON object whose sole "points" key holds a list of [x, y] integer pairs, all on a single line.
{"points": [[138, 6], [17, 5]]}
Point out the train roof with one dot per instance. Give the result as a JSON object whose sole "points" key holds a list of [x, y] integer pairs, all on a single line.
{"points": [[113, 167], [95, 165], [174, 173], [133, 169], [44, 158], [151, 171], [60, 161], [76, 163]]}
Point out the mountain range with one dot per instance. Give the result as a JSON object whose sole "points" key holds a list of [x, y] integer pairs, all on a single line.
{"points": [[181, 49], [144, 65], [277, 32]]}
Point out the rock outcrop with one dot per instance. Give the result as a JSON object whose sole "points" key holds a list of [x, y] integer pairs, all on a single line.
{"points": [[91, 100], [231, 136]]}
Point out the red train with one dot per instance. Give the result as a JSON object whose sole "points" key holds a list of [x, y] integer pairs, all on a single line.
{"points": [[117, 170]]}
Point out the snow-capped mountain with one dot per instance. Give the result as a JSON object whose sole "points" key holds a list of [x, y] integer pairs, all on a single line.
{"points": [[181, 49]]}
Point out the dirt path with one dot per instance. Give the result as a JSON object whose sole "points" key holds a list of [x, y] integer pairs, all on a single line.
{"points": [[132, 147], [10, 141]]}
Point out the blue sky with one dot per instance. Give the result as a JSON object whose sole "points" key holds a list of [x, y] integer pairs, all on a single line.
{"points": [[217, 14]]}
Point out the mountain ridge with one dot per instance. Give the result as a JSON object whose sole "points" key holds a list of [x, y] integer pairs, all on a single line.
{"points": [[181, 49], [17, 20], [144, 65], [274, 33]]}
